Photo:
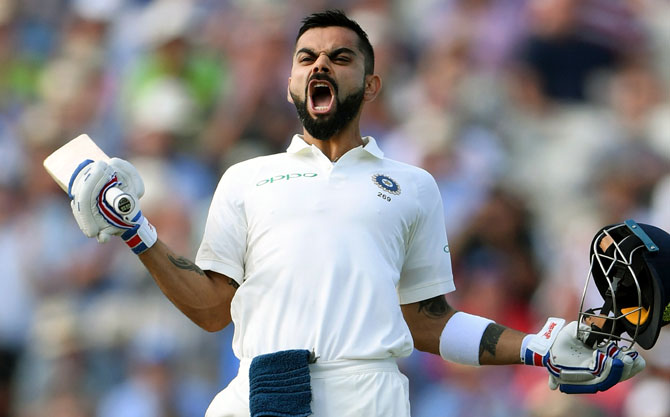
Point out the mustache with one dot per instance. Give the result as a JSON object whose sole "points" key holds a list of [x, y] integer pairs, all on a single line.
{"points": [[321, 77]]}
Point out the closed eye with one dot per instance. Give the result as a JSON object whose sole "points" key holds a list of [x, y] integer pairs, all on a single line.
{"points": [[341, 59], [340, 55], [305, 55]]}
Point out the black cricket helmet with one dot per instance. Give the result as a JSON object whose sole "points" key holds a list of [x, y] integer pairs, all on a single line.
{"points": [[630, 266]]}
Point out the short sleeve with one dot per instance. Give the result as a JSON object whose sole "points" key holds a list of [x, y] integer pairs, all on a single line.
{"points": [[224, 241], [426, 272]]}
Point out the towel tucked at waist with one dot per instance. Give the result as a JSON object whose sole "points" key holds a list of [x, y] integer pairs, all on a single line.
{"points": [[279, 384]]}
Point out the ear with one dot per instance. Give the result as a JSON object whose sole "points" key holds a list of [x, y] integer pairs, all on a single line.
{"points": [[373, 85], [288, 91]]}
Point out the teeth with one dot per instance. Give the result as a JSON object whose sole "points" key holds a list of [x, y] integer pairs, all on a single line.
{"points": [[320, 85], [321, 108]]}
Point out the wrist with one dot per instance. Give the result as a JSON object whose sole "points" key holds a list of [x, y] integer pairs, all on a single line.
{"points": [[141, 237], [535, 347], [461, 338]]}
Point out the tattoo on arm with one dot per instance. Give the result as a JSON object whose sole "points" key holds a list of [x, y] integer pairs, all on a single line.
{"points": [[183, 263], [233, 283], [490, 339], [435, 307]]}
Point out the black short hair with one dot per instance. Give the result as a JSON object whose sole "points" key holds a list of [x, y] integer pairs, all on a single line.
{"points": [[338, 18]]}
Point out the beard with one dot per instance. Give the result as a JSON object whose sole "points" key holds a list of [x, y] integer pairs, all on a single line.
{"points": [[325, 127]]}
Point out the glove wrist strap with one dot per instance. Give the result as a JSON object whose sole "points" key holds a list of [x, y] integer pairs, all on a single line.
{"points": [[141, 237], [536, 346]]}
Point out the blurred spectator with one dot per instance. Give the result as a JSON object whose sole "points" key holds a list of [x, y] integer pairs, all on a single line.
{"points": [[660, 203], [650, 397], [175, 85], [498, 243], [16, 300], [623, 179], [571, 41], [253, 118], [469, 392], [150, 389]]}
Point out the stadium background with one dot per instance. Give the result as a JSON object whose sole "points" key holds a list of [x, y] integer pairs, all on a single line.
{"points": [[541, 120]]}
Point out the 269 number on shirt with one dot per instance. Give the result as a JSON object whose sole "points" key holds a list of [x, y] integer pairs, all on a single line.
{"points": [[383, 196]]}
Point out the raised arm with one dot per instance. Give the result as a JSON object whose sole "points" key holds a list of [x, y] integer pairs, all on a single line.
{"points": [[203, 296]]}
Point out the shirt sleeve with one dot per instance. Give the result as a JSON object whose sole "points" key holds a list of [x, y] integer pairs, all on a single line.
{"points": [[224, 241], [426, 272]]}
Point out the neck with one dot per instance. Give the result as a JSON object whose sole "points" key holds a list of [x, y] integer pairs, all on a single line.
{"points": [[339, 144]]}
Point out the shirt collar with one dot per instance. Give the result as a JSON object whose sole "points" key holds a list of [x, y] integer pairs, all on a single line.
{"points": [[298, 145]]}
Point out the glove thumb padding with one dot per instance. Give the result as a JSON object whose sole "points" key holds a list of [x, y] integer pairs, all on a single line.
{"points": [[633, 363]]}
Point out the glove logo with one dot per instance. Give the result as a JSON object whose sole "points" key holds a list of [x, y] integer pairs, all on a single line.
{"points": [[386, 183], [547, 334]]}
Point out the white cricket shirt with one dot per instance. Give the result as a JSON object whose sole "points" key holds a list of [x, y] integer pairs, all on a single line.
{"points": [[326, 252]]}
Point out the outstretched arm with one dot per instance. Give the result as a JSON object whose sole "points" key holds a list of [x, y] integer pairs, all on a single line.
{"points": [[426, 319], [472, 340], [203, 296]]}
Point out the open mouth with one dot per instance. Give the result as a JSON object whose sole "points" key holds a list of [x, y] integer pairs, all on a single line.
{"points": [[321, 97]]}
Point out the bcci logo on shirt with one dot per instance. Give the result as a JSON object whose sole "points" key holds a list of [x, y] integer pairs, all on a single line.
{"points": [[386, 183]]}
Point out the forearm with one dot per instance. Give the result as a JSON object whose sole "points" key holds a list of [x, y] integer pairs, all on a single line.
{"points": [[500, 345], [204, 297], [492, 345]]}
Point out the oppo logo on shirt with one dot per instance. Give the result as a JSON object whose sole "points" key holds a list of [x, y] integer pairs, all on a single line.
{"points": [[286, 177]]}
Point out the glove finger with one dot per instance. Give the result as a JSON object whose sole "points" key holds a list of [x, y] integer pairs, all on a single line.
{"points": [[103, 237], [633, 363], [611, 350], [628, 363], [129, 177], [553, 383], [87, 189], [85, 219], [87, 192], [638, 365], [632, 366]]}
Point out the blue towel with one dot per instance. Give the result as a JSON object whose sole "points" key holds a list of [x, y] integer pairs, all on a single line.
{"points": [[279, 384]]}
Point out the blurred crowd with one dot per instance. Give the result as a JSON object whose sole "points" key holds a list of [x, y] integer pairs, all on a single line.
{"points": [[541, 120]]}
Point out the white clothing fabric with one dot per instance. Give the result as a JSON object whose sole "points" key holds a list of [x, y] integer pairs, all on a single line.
{"points": [[325, 252], [339, 389]]}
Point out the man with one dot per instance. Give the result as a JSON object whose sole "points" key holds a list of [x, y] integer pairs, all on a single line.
{"points": [[333, 249]]}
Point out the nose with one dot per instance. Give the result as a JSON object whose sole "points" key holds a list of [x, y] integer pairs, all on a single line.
{"points": [[322, 64]]}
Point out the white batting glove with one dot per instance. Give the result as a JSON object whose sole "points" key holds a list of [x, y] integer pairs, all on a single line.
{"points": [[573, 367], [90, 188]]}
